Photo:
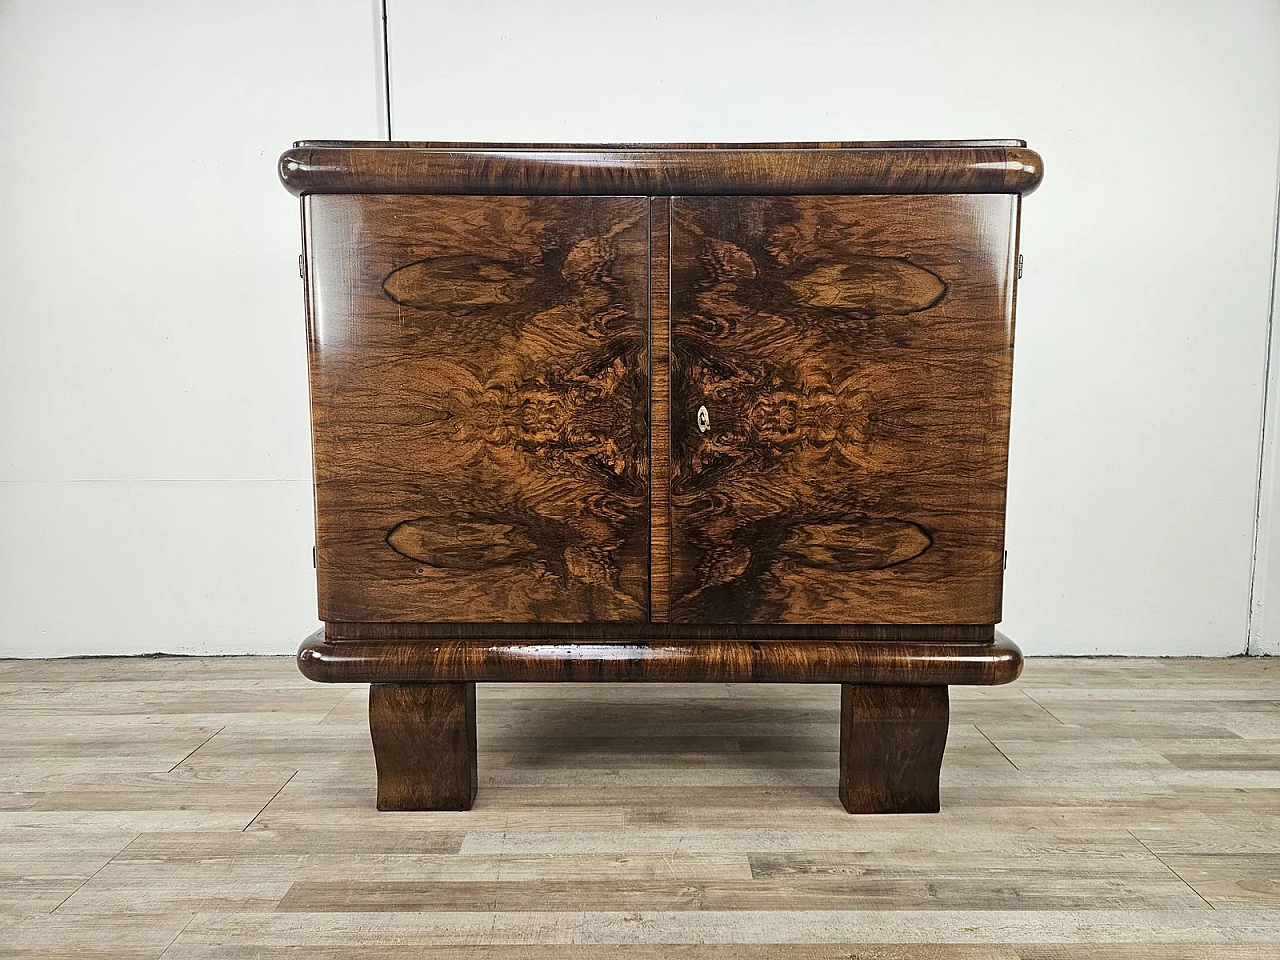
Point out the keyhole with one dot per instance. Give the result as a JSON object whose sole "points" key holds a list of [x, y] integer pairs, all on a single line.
{"points": [[704, 419]]}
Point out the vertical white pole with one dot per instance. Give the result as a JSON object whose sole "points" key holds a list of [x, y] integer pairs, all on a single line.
{"points": [[1264, 590], [382, 57]]}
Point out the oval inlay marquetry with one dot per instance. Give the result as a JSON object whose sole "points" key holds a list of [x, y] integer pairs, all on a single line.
{"points": [[849, 545], [460, 542], [451, 284], [869, 287]]}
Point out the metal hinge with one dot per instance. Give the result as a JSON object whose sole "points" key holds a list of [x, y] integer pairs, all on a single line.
{"points": [[1006, 560], [315, 563], [1019, 266], [303, 273]]}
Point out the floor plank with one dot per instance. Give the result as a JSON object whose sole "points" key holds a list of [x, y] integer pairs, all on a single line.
{"points": [[198, 808]]}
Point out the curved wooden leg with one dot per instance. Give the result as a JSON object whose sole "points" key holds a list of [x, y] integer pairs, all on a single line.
{"points": [[424, 745], [891, 744]]}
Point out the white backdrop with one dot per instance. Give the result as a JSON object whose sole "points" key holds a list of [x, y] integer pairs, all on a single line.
{"points": [[153, 444], [153, 417]]}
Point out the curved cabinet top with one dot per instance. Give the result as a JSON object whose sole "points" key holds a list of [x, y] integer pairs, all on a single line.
{"points": [[935, 166]]}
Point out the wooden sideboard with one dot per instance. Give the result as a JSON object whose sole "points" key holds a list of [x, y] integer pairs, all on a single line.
{"points": [[687, 412]]}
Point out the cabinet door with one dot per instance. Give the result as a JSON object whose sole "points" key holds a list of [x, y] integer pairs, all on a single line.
{"points": [[840, 378], [479, 386]]}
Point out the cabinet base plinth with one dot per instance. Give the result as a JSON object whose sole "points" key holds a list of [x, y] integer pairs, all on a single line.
{"points": [[893, 713]]}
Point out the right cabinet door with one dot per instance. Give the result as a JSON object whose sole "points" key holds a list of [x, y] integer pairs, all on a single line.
{"points": [[840, 380]]}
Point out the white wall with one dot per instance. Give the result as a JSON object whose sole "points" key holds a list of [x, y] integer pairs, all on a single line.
{"points": [[152, 396], [154, 459]]}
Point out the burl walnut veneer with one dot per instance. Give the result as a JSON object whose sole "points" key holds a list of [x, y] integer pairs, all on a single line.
{"points": [[670, 413]]}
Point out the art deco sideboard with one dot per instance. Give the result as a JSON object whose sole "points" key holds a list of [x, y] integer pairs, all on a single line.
{"points": [[660, 413]]}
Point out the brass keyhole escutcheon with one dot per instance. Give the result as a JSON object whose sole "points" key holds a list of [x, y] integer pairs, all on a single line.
{"points": [[704, 419]]}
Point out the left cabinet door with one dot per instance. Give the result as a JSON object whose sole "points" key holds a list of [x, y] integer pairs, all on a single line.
{"points": [[479, 400]]}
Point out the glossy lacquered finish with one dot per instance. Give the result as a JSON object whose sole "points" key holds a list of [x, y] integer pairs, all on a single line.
{"points": [[670, 661], [660, 410], [923, 633], [660, 169], [702, 410], [851, 362], [676, 412], [480, 407]]}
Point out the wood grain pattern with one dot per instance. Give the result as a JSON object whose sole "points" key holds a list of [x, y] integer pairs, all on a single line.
{"points": [[327, 167], [479, 380], [854, 355], [660, 409], [560, 432], [424, 744], [702, 145], [708, 661], [891, 745], [980, 633]]}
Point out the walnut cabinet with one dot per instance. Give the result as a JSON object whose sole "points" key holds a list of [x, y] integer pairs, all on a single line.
{"points": [[677, 413]]}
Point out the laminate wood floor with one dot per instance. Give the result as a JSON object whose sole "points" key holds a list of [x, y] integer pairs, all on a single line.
{"points": [[224, 808]]}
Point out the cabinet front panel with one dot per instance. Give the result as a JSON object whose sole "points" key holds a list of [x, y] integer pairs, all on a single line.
{"points": [[479, 386], [840, 376]]}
